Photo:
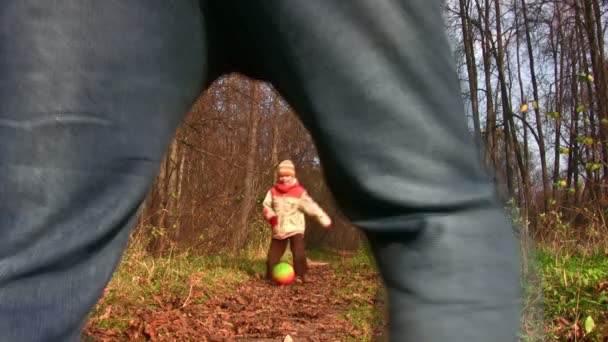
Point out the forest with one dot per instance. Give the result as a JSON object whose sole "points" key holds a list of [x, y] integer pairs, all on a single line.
{"points": [[534, 85]]}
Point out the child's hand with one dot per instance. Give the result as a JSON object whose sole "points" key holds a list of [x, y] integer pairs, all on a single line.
{"points": [[274, 221]]}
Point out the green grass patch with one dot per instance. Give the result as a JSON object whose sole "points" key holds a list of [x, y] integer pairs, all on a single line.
{"points": [[575, 289], [572, 289], [146, 284], [169, 282], [360, 287]]}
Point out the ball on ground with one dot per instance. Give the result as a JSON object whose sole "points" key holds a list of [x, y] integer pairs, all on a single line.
{"points": [[283, 274]]}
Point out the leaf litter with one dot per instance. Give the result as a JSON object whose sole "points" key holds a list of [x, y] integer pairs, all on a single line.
{"points": [[255, 311]]}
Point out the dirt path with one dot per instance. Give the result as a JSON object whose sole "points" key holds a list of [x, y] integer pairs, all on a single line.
{"points": [[257, 311]]}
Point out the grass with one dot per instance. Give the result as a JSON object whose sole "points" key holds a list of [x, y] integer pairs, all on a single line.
{"points": [[359, 287], [575, 291], [573, 303], [364, 294], [142, 281]]}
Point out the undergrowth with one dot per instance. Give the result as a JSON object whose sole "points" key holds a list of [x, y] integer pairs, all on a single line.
{"points": [[569, 287], [181, 279], [575, 288]]}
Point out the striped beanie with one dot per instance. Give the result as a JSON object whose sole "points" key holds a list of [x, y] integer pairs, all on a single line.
{"points": [[286, 168]]}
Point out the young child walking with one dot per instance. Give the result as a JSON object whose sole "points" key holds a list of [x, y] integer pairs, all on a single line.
{"points": [[284, 208]]}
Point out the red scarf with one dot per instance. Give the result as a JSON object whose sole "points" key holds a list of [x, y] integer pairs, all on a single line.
{"points": [[284, 187]]}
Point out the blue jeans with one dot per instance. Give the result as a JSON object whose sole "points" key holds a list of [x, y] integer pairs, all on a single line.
{"points": [[91, 92]]}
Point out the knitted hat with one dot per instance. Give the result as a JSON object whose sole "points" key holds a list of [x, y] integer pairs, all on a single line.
{"points": [[286, 168]]}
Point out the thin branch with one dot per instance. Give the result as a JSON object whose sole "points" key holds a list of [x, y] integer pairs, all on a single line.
{"points": [[194, 148]]}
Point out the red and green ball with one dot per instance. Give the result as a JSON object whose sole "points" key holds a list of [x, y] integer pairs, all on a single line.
{"points": [[283, 274]]}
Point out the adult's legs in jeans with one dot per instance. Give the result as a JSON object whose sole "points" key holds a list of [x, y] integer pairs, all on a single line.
{"points": [[375, 83], [90, 94]]}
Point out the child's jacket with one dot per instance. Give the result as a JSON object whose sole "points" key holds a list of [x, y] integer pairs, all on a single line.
{"points": [[285, 206]]}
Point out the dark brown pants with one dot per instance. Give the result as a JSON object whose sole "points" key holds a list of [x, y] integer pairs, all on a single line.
{"points": [[277, 249]]}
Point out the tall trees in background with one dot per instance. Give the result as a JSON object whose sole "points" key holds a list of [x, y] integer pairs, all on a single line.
{"points": [[218, 168], [544, 126], [534, 79]]}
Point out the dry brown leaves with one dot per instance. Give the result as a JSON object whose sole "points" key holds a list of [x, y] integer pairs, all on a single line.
{"points": [[258, 311]]}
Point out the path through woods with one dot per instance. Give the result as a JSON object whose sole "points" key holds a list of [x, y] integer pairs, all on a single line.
{"points": [[319, 310]]}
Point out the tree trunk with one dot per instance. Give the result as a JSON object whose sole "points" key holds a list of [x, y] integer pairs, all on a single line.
{"points": [[471, 70], [491, 144], [522, 96], [248, 197], [276, 138], [539, 127], [177, 198], [508, 118], [596, 46]]}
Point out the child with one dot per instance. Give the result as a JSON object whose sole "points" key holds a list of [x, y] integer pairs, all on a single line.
{"points": [[284, 208]]}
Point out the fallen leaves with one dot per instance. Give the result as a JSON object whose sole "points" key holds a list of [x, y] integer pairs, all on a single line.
{"points": [[256, 310]]}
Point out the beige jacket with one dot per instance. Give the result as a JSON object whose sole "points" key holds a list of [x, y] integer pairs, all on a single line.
{"points": [[284, 208]]}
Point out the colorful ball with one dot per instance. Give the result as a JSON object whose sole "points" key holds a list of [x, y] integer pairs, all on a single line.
{"points": [[283, 274]]}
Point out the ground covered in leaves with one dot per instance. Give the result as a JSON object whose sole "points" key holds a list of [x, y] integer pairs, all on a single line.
{"points": [[191, 298], [229, 301]]}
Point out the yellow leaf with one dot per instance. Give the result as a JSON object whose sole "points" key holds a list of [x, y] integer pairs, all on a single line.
{"points": [[589, 324], [580, 108]]}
